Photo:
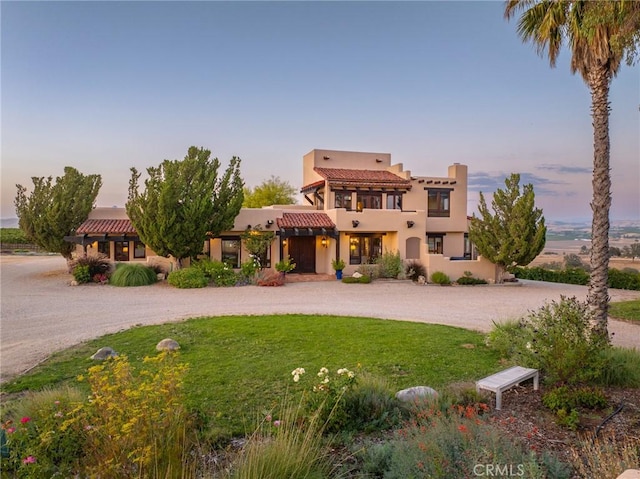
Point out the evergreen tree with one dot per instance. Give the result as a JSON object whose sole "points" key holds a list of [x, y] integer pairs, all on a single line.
{"points": [[273, 191], [53, 211], [515, 233], [183, 202]]}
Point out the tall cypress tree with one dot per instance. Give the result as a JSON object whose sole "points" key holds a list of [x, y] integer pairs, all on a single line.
{"points": [[515, 233], [182, 201], [54, 210]]}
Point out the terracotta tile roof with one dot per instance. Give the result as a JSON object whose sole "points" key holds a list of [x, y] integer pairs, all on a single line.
{"points": [[106, 227], [305, 220], [311, 186], [364, 178]]}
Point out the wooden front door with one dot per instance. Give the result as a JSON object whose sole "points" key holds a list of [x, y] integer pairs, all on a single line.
{"points": [[302, 250]]}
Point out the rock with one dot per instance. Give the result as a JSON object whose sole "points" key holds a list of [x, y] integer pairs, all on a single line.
{"points": [[630, 474], [168, 344], [160, 277], [422, 280], [73, 283], [104, 353], [417, 393], [357, 275]]}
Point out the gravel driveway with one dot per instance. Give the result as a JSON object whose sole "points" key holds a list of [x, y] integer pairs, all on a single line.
{"points": [[41, 313]]}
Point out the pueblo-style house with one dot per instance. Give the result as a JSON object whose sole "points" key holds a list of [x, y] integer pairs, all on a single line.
{"points": [[357, 206]]}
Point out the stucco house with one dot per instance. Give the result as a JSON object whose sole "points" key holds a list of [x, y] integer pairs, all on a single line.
{"points": [[357, 206]]}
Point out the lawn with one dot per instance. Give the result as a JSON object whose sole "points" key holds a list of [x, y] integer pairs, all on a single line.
{"points": [[241, 365], [628, 310]]}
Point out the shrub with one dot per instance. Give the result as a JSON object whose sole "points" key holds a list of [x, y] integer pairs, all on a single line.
{"points": [[41, 440], [565, 403], [438, 277], [370, 270], [414, 269], [326, 396], [135, 421], [219, 273], [282, 447], [605, 457], [507, 338], [370, 405], [133, 274], [188, 278], [81, 274], [557, 340], [456, 443], [285, 265], [98, 263], [468, 280], [338, 264], [621, 368], [624, 279], [364, 279], [248, 271], [389, 265]]}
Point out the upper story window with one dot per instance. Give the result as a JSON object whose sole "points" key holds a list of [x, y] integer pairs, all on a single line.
{"points": [[372, 201], [438, 204], [343, 199], [394, 201]]}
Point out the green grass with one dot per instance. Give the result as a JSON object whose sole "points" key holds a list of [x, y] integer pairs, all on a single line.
{"points": [[240, 365], [629, 310]]}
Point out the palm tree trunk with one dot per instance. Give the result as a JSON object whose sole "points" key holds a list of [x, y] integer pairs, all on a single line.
{"points": [[598, 297]]}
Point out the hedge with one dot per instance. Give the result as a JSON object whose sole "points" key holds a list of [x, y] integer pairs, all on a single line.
{"points": [[617, 279]]}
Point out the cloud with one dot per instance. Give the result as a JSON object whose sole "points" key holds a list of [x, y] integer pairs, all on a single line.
{"points": [[490, 182], [564, 169]]}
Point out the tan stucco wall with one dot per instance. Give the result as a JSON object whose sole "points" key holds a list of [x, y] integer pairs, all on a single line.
{"points": [[480, 268]]}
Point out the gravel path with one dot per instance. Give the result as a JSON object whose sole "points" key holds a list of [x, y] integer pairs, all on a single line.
{"points": [[41, 314]]}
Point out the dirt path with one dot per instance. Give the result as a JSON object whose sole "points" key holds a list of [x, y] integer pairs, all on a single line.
{"points": [[41, 314]]}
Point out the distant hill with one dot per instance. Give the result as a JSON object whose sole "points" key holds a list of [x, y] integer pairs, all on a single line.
{"points": [[9, 223]]}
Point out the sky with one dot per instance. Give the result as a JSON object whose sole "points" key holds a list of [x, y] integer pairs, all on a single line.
{"points": [[106, 86]]}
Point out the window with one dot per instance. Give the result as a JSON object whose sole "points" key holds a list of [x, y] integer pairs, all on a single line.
{"points": [[343, 199], [122, 250], [435, 243], [231, 251], [438, 203], [470, 251], [104, 247], [372, 201], [394, 201], [364, 249], [139, 249]]}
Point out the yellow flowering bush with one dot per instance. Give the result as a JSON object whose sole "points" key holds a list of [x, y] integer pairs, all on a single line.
{"points": [[135, 421]]}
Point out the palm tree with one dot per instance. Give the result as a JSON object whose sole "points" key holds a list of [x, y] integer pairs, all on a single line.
{"points": [[599, 35]]}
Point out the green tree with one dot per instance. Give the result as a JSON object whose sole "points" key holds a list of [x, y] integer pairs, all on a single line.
{"points": [[515, 234], [54, 210], [273, 191], [599, 34], [183, 201], [256, 242]]}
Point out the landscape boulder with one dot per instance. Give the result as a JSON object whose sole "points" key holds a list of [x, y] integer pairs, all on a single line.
{"points": [[417, 393], [168, 344], [104, 353], [357, 275]]}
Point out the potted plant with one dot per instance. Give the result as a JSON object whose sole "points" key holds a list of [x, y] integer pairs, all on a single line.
{"points": [[285, 265], [338, 266]]}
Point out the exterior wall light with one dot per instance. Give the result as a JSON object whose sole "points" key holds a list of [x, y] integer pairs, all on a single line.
{"points": [[355, 223], [324, 242], [410, 224]]}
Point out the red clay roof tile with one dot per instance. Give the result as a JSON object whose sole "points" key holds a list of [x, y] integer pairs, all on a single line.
{"points": [[363, 178], [106, 227], [305, 220]]}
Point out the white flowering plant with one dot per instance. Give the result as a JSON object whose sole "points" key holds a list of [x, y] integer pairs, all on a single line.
{"points": [[326, 395]]}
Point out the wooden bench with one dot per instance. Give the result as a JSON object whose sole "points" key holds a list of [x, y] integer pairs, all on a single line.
{"points": [[506, 379]]}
